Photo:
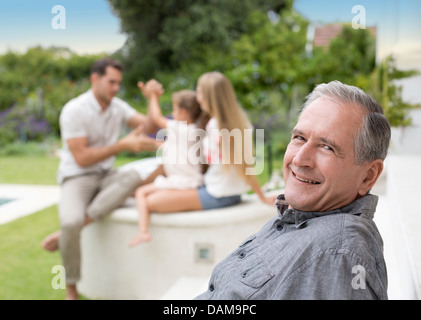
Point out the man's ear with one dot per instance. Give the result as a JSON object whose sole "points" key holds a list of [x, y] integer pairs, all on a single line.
{"points": [[373, 171], [94, 77]]}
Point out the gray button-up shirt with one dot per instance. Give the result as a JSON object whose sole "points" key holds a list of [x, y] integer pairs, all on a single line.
{"points": [[307, 255]]}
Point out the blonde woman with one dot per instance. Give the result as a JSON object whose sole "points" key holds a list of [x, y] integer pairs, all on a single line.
{"points": [[226, 178]]}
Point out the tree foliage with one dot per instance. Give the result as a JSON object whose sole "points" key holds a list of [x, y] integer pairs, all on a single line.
{"points": [[267, 70], [164, 35], [35, 86], [382, 86], [351, 54], [269, 57]]}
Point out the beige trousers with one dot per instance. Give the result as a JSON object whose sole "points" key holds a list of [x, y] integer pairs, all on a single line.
{"points": [[93, 195]]}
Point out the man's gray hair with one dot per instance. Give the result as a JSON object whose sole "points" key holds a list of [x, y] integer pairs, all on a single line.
{"points": [[373, 138]]}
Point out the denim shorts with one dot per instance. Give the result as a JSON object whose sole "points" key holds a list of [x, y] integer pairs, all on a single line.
{"points": [[210, 202]]}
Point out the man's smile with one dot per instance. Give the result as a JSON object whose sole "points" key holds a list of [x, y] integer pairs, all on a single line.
{"points": [[304, 179]]}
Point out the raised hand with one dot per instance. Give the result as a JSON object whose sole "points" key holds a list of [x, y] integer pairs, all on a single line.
{"points": [[152, 87]]}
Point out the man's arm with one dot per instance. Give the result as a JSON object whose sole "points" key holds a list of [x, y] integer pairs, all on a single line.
{"points": [[333, 274], [85, 155], [145, 122]]}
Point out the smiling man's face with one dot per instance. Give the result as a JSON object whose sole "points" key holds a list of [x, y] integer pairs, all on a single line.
{"points": [[319, 168]]}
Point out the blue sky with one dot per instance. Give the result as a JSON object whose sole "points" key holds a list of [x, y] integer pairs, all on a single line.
{"points": [[91, 27], [341, 10]]}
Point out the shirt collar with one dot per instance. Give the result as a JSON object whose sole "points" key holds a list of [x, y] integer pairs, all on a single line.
{"points": [[365, 206], [97, 107]]}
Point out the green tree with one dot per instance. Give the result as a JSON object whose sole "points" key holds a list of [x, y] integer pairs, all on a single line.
{"points": [[269, 59], [267, 72], [383, 88], [166, 35], [350, 55]]}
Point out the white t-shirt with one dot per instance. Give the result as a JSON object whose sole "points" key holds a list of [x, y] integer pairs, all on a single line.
{"points": [[220, 182], [181, 165], [84, 117]]}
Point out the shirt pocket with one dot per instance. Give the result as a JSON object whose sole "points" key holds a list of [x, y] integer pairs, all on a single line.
{"points": [[247, 241], [254, 273]]}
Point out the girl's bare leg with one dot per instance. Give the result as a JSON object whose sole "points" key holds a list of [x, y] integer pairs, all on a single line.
{"points": [[171, 200], [141, 195]]}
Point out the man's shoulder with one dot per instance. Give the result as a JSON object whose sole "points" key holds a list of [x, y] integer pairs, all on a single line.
{"points": [[78, 102], [351, 234], [116, 101], [359, 226], [119, 106], [344, 231]]}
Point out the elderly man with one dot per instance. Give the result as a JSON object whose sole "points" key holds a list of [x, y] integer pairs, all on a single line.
{"points": [[90, 187], [323, 244]]}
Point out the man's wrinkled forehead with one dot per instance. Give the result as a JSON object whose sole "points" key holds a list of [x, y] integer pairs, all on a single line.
{"points": [[334, 122]]}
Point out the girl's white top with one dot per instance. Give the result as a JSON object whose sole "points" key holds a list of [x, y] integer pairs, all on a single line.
{"points": [[182, 167]]}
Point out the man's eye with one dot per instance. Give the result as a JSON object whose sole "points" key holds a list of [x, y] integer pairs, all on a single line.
{"points": [[327, 148], [298, 138]]}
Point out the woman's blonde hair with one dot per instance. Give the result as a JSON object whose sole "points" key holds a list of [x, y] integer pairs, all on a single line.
{"points": [[219, 95]]}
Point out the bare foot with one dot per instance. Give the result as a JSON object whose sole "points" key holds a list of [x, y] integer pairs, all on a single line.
{"points": [[50, 243], [140, 238], [71, 292]]}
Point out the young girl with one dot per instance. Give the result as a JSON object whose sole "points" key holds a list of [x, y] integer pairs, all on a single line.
{"points": [[182, 171], [226, 178]]}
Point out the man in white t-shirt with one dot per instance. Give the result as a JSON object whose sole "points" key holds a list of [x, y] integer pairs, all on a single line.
{"points": [[90, 187]]}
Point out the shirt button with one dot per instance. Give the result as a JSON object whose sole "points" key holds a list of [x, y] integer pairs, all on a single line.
{"points": [[279, 227], [242, 255], [211, 287]]}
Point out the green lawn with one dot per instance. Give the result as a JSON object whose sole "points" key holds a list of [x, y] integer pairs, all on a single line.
{"points": [[35, 170], [28, 170], [25, 268], [42, 170]]}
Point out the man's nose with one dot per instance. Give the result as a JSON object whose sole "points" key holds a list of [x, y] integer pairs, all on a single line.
{"points": [[305, 156]]}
